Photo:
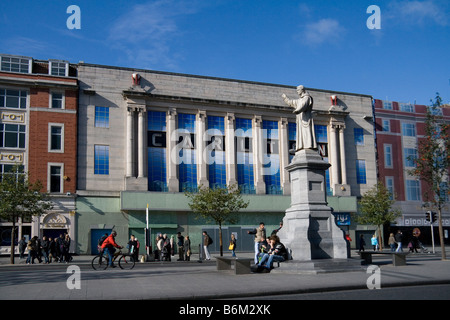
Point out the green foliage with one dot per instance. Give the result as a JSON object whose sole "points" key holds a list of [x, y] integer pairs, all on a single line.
{"points": [[219, 205], [376, 207]]}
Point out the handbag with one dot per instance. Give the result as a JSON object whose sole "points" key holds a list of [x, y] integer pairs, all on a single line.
{"points": [[231, 247]]}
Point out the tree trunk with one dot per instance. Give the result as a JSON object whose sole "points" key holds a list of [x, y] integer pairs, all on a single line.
{"points": [[220, 240], [12, 241], [380, 238], [441, 235]]}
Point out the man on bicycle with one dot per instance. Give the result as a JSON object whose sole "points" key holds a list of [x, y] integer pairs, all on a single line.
{"points": [[108, 247]]}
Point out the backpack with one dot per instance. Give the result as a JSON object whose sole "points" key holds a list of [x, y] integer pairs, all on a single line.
{"points": [[210, 240], [101, 240]]}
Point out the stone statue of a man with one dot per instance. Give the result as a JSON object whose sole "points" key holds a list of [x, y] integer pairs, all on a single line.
{"points": [[306, 138]]}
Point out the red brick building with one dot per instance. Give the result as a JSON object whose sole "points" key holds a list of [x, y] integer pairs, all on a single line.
{"points": [[399, 128], [38, 129]]}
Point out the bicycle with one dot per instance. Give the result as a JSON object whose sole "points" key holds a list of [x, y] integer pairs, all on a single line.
{"points": [[101, 261]]}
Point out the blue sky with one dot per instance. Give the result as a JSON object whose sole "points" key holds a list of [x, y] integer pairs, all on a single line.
{"points": [[320, 44]]}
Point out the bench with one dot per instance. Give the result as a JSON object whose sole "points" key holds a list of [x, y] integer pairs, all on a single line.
{"points": [[398, 258], [241, 265]]}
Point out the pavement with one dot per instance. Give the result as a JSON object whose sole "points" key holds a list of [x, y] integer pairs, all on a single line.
{"points": [[183, 280]]}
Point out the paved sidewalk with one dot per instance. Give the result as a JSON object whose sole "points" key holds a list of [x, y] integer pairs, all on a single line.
{"points": [[193, 280]]}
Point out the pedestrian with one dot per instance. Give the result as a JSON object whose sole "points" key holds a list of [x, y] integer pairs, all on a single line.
{"points": [[166, 249], [260, 238], [45, 247], [362, 242], [275, 231], [32, 250], [132, 246], [180, 244], [391, 242], [277, 252], [374, 241], [66, 248], [60, 246], [398, 239], [232, 246], [51, 250], [22, 247], [158, 248], [207, 241], [172, 246], [187, 248], [414, 244]]}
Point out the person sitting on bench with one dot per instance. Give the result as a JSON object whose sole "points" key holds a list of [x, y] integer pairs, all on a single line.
{"points": [[277, 252]]}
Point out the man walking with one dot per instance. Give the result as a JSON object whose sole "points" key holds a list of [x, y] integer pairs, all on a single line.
{"points": [[398, 238]]}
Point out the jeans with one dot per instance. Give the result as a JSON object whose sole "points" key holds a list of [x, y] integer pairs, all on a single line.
{"points": [[268, 260], [110, 253], [399, 248], [257, 246], [208, 257]]}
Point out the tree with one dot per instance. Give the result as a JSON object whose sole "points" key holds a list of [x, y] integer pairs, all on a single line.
{"points": [[19, 198], [433, 161], [218, 204], [376, 208]]}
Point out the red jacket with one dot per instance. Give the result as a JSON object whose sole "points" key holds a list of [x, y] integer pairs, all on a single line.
{"points": [[109, 242]]}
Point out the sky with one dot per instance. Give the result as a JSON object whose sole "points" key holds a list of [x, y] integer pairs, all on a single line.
{"points": [[320, 44]]}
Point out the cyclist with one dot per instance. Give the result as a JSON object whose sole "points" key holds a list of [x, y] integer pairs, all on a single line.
{"points": [[108, 247]]}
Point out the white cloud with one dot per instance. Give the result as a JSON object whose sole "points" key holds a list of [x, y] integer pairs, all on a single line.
{"points": [[145, 32], [322, 31], [418, 12]]}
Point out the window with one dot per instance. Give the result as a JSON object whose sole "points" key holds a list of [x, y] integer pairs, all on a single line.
{"points": [[188, 166], [244, 156], [387, 105], [388, 156], [361, 172], [57, 100], [12, 136], [359, 136], [101, 160], [16, 64], [157, 177], [271, 163], [56, 137], [16, 99], [216, 155], [410, 156], [55, 178], [321, 132], [58, 68], [390, 186], [9, 169], [408, 129], [412, 190], [101, 117], [386, 125], [406, 107]]}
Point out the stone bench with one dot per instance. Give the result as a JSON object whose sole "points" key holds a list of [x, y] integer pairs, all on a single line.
{"points": [[241, 265], [398, 258]]}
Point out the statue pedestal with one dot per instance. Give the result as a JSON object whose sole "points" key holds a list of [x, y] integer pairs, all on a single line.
{"points": [[309, 229]]}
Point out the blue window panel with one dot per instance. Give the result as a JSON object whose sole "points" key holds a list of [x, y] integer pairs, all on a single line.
{"points": [[101, 160], [271, 129], [216, 161], [272, 161], [157, 171], [156, 121], [321, 133], [102, 117], [359, 136], [361, 172], [187, 169], [245, 174], [412, 190]]}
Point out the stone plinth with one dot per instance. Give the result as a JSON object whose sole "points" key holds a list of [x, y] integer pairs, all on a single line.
{"points": [[309, 229]]}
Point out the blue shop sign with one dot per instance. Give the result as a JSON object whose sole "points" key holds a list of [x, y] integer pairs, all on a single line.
{"points": [[342, 218]]}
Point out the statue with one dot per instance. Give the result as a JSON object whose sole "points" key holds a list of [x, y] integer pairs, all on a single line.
{"points": [[306, 138]]}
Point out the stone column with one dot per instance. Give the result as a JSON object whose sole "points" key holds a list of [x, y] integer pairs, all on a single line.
{"points": [[333, 157], [230, 149], [172, 158], [130, 143], [342, 151], [258, 150], [202, 168], [142, 142], [284, 155]]}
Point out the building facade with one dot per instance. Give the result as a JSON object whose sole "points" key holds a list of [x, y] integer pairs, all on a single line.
{"points": [[146, 137], [399, 129], [38, 131]]}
